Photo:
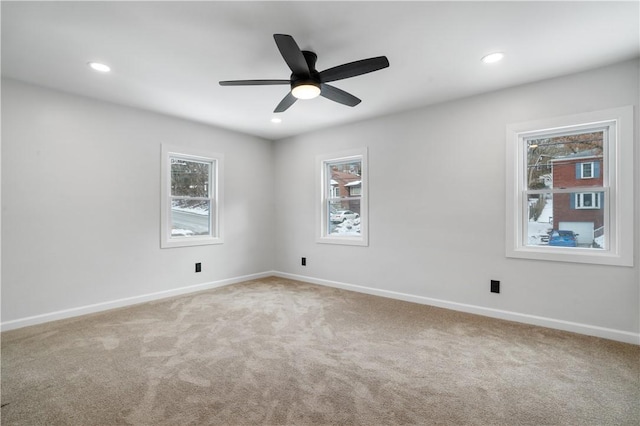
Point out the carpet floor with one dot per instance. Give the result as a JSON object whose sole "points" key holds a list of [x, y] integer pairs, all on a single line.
{"points": [[280, 352]]}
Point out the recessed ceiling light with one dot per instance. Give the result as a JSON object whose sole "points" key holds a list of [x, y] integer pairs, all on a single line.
{"points": [[493, 57], [97, 66], [276, 120]]}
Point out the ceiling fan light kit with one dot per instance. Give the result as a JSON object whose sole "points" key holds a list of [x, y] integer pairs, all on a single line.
{"points": [[308, 90], [306, 82]]}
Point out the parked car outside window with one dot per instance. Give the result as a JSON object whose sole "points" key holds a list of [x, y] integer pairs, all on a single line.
{"points": [[562, 238], [340, 216]]}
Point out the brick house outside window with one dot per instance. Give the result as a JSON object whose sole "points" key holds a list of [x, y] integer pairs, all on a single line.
{"points": [[580, 212]]}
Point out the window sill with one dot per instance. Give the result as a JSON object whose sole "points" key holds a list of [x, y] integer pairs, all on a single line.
{"points": [[575, 255], [347, 241], [191, 241]]}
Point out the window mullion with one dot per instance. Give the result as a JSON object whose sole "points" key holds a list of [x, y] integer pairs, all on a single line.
{"points": [[566, 190], [184, 197]]}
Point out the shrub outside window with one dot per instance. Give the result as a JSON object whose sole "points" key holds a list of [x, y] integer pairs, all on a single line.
{"points": [[343, 213], [570, 188], [191, 197]]}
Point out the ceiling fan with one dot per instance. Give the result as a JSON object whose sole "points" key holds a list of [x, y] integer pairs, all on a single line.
{"points": [[306, 82]]}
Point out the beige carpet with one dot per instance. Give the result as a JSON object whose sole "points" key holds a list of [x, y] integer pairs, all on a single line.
{"points": [[275, 352]]}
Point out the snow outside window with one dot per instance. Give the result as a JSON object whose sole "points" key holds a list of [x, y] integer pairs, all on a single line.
{"points": [[570, 188], [342, 199], [191, 197]]}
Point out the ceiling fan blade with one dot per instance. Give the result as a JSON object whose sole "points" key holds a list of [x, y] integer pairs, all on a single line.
{"points": [[285, 103], [353, 69], [338, 95], [292, 54], [253, 82]]}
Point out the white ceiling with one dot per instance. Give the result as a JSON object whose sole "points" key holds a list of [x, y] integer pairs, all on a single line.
{"points": [[169, 56]]}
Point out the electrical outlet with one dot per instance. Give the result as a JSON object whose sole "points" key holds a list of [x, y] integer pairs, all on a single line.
{"points": [[495, 286], [304, 261], [198, 267]]}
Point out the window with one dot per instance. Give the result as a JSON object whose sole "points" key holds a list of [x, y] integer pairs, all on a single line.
{"points": [[585, 170], [570, 188], [355, 188], [191, 197], [342, 198], [587, 200], [334, 190]]}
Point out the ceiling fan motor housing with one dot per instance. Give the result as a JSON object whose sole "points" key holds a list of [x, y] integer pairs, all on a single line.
{"points": [[313, 78]]}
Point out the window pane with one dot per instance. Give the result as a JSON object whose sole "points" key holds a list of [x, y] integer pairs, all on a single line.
{"points": [[540, 208], [190, 218], [565, 161], [344, 217], [190, 178], [344, 179], [566, 220]]}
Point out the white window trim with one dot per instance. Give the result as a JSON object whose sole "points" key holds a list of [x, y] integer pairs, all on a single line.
{"points": [[620, 199], [166, 240], [582, 176], [322, 219], [579, 201]]}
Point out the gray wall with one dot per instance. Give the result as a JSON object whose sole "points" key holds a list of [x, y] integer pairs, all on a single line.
{"points": [[81, 203], [437, 210], [81, 199]]}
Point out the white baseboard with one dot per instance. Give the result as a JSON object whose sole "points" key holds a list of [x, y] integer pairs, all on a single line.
{"points": [[589, 330], [98, 307]]}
